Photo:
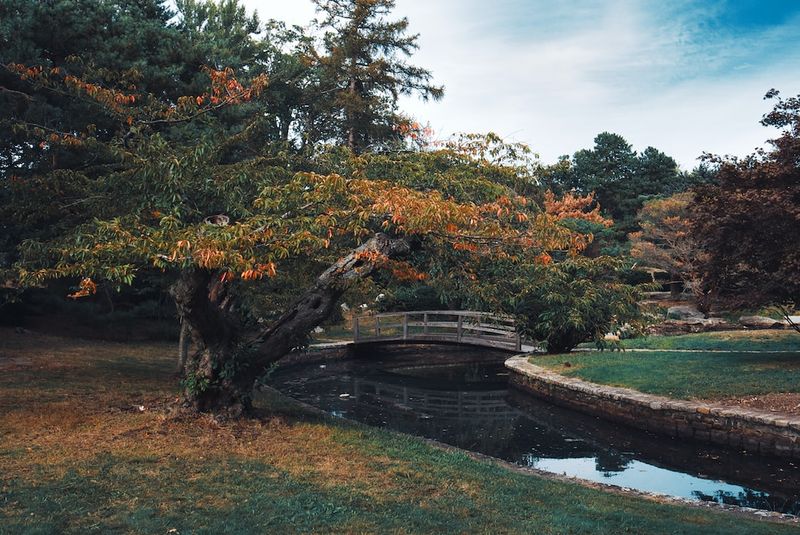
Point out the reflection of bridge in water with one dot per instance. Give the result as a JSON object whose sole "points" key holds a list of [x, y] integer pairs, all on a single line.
{"points": [[442, 404], [467, 413], [440, 326]]}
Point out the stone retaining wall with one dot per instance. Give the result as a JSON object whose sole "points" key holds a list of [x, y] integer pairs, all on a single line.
{"points": [[732, 427]]}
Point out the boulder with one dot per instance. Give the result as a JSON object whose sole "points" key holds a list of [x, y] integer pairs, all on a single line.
{"points": [[684, 312], [696, 325], [715, 323], [761, 322]]}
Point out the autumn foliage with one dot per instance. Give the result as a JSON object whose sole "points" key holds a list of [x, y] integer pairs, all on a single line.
{"points": [[747, 221], [572, 206], [230, 224], [666, 239], [133, 107]]}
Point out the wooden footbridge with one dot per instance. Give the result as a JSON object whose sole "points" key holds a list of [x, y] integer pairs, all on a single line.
{"points": [[440, 326]]}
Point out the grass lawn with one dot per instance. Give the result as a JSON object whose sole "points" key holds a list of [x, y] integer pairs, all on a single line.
{"points": [[78, 455], [767, 340], [684, 375]]}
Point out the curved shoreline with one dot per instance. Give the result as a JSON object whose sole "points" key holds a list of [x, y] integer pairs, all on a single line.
{"points": [[340, 352], [665, 499], [754, 431]]}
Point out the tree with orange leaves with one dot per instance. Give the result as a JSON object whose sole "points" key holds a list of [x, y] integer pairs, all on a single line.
{"points": [[666, 240], [289, 231], [560, 296]]}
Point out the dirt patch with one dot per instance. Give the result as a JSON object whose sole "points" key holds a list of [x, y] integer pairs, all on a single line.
{"points": [[786, 403]]}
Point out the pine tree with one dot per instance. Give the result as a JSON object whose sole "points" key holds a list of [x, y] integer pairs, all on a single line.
{"points": [[363, 71]]}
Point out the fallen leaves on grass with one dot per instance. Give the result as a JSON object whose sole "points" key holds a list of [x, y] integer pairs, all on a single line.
{"points": [[77, 406], [781, 403]]}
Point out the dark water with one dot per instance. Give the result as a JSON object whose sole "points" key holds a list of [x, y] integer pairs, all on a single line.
{"points": [[471, 406]]}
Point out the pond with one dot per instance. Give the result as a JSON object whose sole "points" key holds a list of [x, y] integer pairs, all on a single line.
{"points": [[461, 397]]}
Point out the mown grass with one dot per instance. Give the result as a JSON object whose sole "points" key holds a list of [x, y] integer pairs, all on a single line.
{"points": [[767, 340], [79, 456], [684, 375]]}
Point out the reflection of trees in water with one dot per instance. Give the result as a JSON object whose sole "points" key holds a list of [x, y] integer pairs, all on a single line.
{"points": [[605, 463], [773, 475], [609, 462], [467, 407], [751, 498]]}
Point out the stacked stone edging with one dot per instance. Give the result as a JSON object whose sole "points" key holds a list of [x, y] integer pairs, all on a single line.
{"points": [[741, 429]]}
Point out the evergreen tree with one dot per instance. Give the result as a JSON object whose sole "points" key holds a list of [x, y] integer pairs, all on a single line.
{"points": [[606, 170], [221, 32], [100, 42], [621, 179], [363, 72]]}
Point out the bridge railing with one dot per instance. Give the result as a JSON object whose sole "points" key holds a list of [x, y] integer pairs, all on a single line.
{"points": [[465, 327]]}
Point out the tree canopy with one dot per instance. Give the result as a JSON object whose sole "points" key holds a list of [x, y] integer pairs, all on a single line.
{"points": [[748, 220], [221, 220], [666, 240], [262, 179], [621, 179], [363, 70]]}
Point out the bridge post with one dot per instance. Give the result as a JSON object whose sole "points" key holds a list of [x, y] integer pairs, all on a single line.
{"points": [[405, 326], [377, 326], [460, 325], [425, 323], [356, 329], [519, 342]]}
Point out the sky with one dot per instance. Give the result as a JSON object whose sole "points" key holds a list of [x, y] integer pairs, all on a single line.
{"points": [[684, 76]]}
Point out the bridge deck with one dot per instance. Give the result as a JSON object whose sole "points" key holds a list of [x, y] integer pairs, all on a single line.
{"points": [[440, 326]]}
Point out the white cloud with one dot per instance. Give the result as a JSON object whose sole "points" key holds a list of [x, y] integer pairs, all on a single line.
{"points": [[293, 12], [556, 74]]}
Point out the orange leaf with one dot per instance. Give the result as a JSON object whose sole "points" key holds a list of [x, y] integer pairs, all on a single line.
{"points": [[87, 288]]}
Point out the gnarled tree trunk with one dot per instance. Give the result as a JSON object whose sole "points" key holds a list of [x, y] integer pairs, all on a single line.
{"points": [[183, 347], [205, 307], [219, 376]]}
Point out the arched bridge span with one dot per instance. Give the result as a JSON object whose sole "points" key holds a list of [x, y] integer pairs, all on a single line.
{"points": [[440, 326]]}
